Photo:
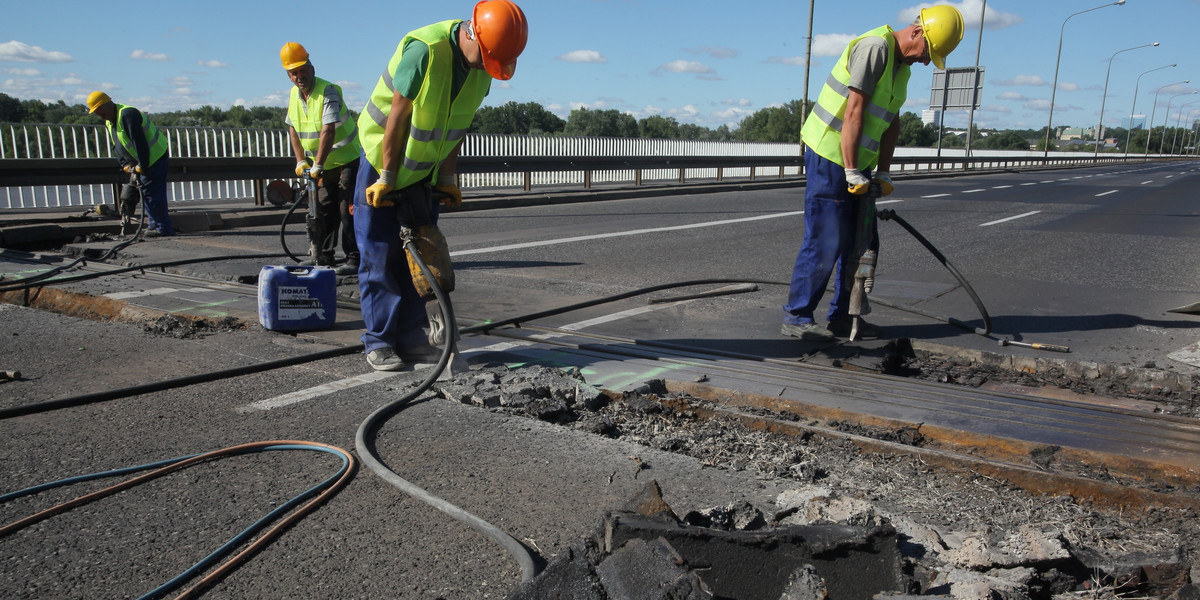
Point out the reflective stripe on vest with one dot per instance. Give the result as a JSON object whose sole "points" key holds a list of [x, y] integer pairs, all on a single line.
{"points": [[437, 123], [823, 128], [154, 140], [306, 119]]}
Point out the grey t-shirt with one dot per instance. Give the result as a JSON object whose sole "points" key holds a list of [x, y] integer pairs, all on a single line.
{"points": [[867, 63]]}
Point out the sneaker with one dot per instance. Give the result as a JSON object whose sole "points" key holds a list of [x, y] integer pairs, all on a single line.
{"points": [[385, 359], [809, 332], [841, 328], [347, 269], [154, 233]]}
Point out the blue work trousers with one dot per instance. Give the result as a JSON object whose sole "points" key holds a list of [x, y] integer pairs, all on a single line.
{"points": [[392, 310], [154, 196], [829, 223]]}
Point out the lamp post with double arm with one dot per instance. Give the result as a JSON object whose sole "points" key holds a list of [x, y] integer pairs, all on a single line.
{"points": [[1054, 86]]}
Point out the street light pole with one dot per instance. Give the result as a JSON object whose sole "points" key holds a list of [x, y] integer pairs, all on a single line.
{"points": [[1177, 124], [1129, 132], [1153, 109], [1054, 86], [1168, 118], [1104, 96]]}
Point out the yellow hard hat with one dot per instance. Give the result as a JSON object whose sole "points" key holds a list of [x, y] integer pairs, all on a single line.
{"points": [[97, 99], [943, 27], [293, 55]]}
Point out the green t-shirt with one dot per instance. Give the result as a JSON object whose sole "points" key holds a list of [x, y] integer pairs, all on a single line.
{"points": [[415, 61]]}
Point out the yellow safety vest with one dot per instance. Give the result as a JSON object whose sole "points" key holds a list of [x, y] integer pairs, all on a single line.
{"points": [[156, 141], [438, 123], [822, 131], [308, 125]]}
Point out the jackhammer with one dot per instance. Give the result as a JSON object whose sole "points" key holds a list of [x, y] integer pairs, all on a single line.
{"points": [[131, 196], [432, 272], [313, 226], [859, 271]]}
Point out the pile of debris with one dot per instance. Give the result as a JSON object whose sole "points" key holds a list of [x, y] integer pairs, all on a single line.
{"points": [[884, 527]]}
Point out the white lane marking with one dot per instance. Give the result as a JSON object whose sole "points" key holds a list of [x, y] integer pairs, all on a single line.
{"points": [[320, 390], [1106, 193], [1030, 183], [1047, 181], [1148, 181], [1000, 187], [598, 236], [1011, 218], [973, 191], [935, 195]]}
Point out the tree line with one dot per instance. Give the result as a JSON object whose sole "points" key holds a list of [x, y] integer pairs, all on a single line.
{"points": [[771, 124]]}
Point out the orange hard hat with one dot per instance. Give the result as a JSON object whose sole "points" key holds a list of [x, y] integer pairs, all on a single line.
{"points": [[293, 55], [501, 31]]}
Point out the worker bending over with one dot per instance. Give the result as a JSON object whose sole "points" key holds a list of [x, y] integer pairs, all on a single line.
{"points": [[141, 151], [411, 130]]}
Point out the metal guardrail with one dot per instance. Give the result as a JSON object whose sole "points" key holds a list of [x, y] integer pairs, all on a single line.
{"points": [[65, 165]]}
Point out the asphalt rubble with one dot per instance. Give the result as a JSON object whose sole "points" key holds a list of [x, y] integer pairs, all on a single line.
{"points": [[855, 526]]}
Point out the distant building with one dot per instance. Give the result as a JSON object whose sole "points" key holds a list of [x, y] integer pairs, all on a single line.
{"points": [[1139, 122], [931, 116], [1075, 133]]}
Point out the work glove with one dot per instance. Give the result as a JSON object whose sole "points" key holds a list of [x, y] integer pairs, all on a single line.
{"points": [[856, 182], [315, 171], [375, 192], [452, 195], [300, 168], [884, 180], [132, 168]]}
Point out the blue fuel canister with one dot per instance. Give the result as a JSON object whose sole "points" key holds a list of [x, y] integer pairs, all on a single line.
{"points": [[295, 298]]}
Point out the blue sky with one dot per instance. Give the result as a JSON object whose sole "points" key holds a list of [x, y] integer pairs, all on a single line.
{"points": [[703, 62]]}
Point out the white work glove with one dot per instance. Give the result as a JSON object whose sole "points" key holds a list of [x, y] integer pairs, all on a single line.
{"points": [[315, 171], [856, 182], [884, 180], [300, 168]]}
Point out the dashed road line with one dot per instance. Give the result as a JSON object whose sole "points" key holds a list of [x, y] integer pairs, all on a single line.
{"points": [[1106, 193], [1011, 218]]}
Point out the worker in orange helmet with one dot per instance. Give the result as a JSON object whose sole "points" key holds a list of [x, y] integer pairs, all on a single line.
{"points": [[324, 134], [411, 131]]}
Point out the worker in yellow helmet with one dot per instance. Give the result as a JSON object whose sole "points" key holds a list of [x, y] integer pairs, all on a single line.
{"points": [[142, 152], [411, 130], [851, 133], [325, 143]]}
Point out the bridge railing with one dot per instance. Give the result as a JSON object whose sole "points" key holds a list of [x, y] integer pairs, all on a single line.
{"points": [[73, 165]]}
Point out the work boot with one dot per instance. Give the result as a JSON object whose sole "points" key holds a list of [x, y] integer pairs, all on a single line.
{"points": [[384, 359], [809, 332], [841, 327], [430, 355], [347, 268]]}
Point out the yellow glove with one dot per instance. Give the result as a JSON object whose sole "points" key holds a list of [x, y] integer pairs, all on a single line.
{"points": [[453, 195], [300, 168], [132, 168], [856, 182], [884, 180], [375, 195], [315, 171]]}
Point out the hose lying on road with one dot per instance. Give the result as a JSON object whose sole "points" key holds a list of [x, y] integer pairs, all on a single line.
{"points": [[318, 494]]}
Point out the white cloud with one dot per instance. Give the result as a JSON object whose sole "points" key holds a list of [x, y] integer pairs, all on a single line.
{"points": [[180, 81], [21, 52], [23, 72], [830, 44], [215, 64], [1023, 80], [686, 66], [1011, 96], [738, 102], [597, 105], [143, 55], [583, 56]]}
